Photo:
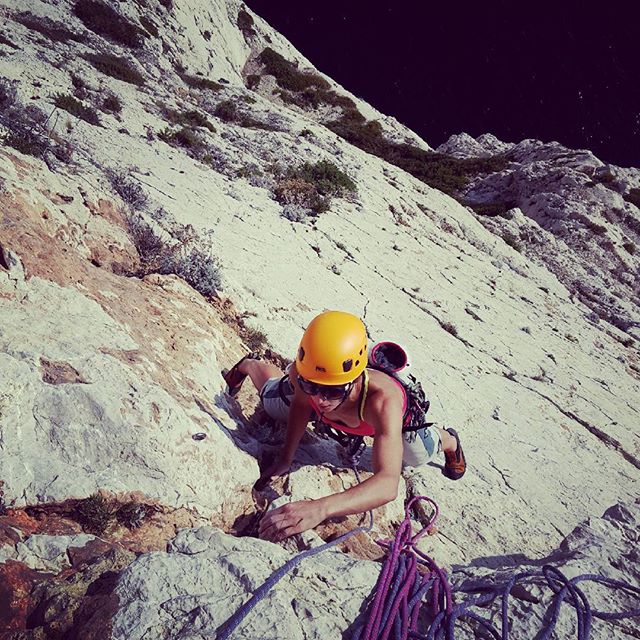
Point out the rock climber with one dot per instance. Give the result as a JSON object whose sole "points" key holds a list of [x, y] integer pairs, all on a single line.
{"points": [[330, 381]]}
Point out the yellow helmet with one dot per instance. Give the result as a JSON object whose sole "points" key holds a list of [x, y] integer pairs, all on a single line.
{"points": [[333, 349]]}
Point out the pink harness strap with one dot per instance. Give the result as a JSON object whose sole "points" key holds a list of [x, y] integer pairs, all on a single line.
{"points": [[364, 428]]}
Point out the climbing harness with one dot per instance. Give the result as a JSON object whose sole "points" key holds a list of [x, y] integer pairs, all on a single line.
{"points": [[409, 577], [390, 358]]}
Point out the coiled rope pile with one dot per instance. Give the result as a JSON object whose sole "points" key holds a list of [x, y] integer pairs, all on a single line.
{"points": [[409, 579]]}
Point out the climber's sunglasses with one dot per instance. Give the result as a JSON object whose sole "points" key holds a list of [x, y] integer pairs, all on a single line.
{"points": [[326, 391]]}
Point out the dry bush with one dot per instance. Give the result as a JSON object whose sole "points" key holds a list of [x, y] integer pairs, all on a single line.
{"points": [[103, 19], [116, 67], [54, 31], [73, 106]]}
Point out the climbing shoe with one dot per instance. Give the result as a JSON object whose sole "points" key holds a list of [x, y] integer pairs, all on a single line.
{"points": [[454, 462], [234, 377]]}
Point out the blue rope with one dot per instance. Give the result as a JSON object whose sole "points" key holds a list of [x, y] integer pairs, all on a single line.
{"points": [[226, 629], [408, 587], [564, 589]]}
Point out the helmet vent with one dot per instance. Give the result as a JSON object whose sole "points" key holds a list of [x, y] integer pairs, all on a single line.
{"points": [[360, 353], [321, 369], [301, 354], [347, 365]]}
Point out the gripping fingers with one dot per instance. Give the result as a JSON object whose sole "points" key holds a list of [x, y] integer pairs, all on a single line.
{"points": [[278, 526]]}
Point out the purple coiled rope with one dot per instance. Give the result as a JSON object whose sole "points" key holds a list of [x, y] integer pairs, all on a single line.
{"points": [[401, 588], [563, 588]]}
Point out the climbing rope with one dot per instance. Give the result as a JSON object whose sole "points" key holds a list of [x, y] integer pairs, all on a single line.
{"points": [[564, 590], [410, 579], [230, 625], [402, 586]]}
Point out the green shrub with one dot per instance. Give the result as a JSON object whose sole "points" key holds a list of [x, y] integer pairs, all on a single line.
{"points": [[76, 108], [185, 137], [53, 30], [116, 67], [310, 187], [29, 142], [228, 111], [94, 514], [111, 103], [446, 173], [493, 209], [287, 74], [196, 82], [80, 89], [245, 23], [190, 118], [300, 193], [25, 132], [633, 197], [104, 20], [327, 177], [355, 129]]}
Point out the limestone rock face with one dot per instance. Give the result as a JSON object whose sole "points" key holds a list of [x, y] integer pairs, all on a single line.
{"points": [[567, 210], [143, 253], [205, 578], [605, 547]]}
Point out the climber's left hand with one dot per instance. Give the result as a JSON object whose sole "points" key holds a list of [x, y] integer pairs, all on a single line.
{"points": [[290, 519]]}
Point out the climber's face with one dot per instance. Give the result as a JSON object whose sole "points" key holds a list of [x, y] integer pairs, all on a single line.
{"points": [[326, 396]]}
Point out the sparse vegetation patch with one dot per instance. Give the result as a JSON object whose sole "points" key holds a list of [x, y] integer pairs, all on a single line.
{"points": [[25, 128], [111, 103], [129, 190], [287, 74], [327, 177], [94, 514], [228, 111], [185, 137], [116, 67], [198, 82], [245, 23], [310, 187], [181, 255], [190, 118], [73, 106], [104, 20], [53, 30]]}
